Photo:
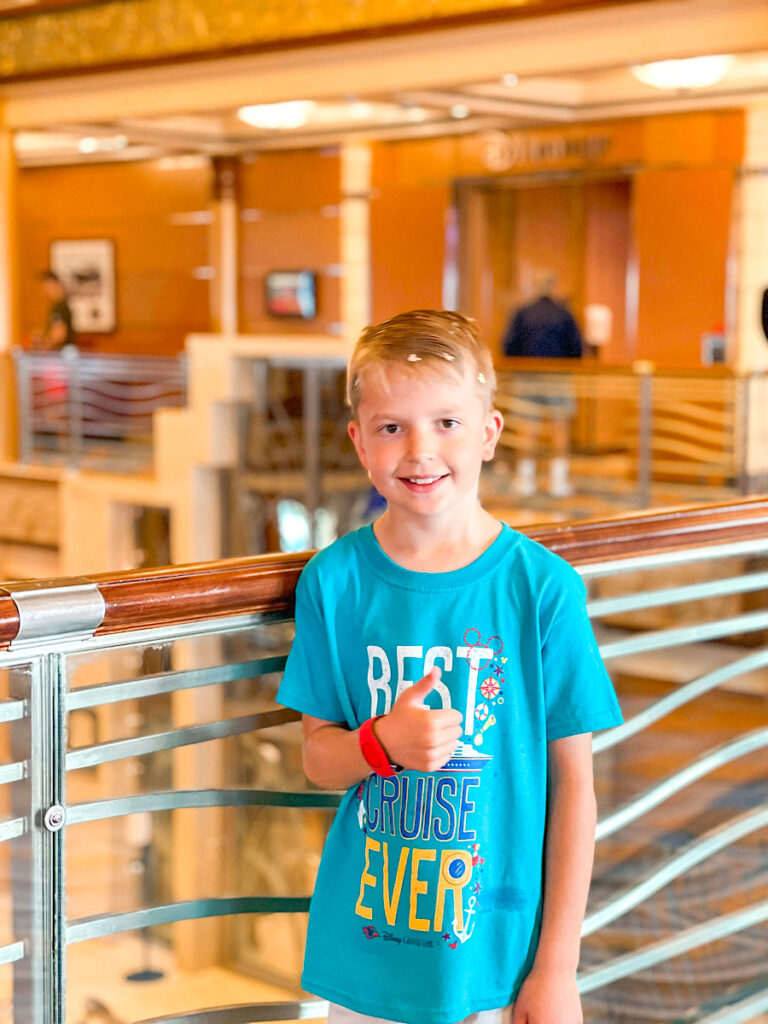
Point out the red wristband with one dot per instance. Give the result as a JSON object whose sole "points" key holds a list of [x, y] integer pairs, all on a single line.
{"points": [[372, 750]]}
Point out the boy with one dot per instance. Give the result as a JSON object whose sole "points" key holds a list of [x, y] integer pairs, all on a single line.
{"points": [[449, 681]]}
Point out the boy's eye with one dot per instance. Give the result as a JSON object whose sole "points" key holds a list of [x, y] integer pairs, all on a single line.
{"points": [[389, 428], [447, 424]]}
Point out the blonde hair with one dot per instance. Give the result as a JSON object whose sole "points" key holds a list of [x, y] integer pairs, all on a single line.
{"points": [[435, 336]]}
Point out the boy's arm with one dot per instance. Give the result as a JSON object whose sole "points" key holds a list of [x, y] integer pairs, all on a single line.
{"points": [[332, 755], [549, 993], [413, 735]]}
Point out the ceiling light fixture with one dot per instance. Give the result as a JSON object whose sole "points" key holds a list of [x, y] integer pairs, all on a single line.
{"points": [[689, 73], [278, 116], [459, 110], [509, 80], [88, 144], [415, 114], [360, 111]]}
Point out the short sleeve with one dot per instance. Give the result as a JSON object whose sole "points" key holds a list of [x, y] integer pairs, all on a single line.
{"points": [[308, 683], [579, 695]]}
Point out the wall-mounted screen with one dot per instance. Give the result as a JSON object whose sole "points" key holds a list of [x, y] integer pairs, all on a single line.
{"points": [[291, 293]]}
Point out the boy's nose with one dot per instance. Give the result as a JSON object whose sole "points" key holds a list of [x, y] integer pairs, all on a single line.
{"points": [[420, 444]]}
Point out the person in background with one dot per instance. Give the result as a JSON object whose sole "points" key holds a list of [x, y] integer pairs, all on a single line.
{"points": [[545, 329], [58, 330]]}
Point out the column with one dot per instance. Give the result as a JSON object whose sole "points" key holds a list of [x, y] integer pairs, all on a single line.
{"points": [[224, 245], [355, 241], [8, 293], [751, 259], [752, 242]]}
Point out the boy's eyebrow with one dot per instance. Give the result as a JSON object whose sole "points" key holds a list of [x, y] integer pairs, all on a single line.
{"points": [[439, 414]]}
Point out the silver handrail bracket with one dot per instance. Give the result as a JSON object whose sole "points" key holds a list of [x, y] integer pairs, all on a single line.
{"points": [[51, 610]]}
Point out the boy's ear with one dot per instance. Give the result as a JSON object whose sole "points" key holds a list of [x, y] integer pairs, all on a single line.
{"points": [[356, 434], [494, 424]]}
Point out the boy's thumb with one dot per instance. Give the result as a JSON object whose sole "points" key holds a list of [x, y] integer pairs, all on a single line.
{"points": [[425, 686]]}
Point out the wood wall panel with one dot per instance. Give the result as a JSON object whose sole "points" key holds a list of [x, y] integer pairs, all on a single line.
{"points": [[682, 222], [410, 211], [290, 220], [138, 206], [291, 179], [408, 227], [606, 258]]}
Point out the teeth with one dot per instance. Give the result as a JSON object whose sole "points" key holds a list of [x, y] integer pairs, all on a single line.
{"points": [[422, 479]]}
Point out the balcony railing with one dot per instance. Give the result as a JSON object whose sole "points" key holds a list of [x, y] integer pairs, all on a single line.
{"points": [[638, 435], [93, 410], [156, 819]]}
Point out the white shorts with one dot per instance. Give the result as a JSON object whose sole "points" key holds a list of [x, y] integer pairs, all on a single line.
{"points": [[341, 1015]]}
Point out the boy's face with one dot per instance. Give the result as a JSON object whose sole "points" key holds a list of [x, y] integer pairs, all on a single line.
{"points": [[423, 435]]}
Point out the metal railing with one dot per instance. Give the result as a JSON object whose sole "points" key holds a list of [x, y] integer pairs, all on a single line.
{"points": [[631, 432], [93, 409], [155, 810]]}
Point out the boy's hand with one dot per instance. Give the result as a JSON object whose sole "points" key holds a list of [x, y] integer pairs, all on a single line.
{"points": [[415, 736], [548, 997]]}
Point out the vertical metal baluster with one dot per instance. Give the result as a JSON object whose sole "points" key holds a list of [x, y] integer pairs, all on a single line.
{"points": [[645, 439], [37, 857], [72, 363], [742, 412], [24, 410], [312, 428]]}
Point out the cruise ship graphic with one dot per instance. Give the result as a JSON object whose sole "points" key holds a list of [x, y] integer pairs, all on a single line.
{"points": [[466, 758]]}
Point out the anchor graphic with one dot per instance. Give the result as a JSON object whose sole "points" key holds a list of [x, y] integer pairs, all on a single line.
{"points": [[462, 934]]}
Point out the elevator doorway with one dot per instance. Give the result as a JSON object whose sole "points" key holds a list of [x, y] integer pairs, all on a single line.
{"points": [[513, 231]]}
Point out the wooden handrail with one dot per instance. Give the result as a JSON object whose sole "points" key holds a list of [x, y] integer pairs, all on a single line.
{"points": [[654, 532], [187, 593], [148, 598]]}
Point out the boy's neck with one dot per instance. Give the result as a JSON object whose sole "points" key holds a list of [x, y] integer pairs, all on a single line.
{"points": [[427, 548]]}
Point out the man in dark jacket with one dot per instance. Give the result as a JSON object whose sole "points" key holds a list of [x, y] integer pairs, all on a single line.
{"points": [[545, 329]]}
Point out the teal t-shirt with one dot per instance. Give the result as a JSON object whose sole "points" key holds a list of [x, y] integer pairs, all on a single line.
{"points": [[428, 896]]}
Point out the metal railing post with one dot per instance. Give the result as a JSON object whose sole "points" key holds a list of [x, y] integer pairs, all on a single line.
{"points": [[71, 362], [742, 415], [312, 430], [645, 435], [37, 857], [24, 410]]}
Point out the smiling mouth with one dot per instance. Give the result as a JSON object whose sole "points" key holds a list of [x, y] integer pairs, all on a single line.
{"points": [[421, 483]]}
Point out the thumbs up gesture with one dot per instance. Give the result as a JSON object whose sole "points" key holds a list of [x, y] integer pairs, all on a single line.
{"points": [[415, 736]]}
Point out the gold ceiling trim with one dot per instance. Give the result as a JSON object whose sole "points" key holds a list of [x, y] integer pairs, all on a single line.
{"points": [[126, 32]]}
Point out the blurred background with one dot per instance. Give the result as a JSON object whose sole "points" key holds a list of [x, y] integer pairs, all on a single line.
{"points": [[202, 202]]}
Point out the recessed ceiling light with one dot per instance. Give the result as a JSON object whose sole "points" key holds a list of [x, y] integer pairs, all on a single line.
{"points": [[277, 116], [689, 73], [509, 80], [416, 113], [459, 110], [360, 111], [88, 144]]}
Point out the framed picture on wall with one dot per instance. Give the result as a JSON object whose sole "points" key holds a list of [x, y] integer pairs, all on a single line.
{"points": [[86, 268], [291, 293]]}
